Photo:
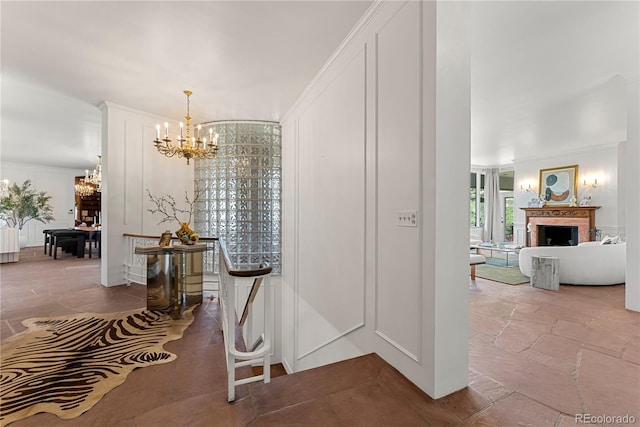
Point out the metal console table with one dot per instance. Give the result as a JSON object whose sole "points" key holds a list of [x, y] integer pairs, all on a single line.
{"points": [[174, 277]]}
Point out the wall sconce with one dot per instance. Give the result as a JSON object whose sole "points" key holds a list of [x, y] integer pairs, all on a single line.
{"points": [[526, 187], [593, 182]]}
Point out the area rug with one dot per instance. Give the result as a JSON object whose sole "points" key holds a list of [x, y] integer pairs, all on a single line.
{"points": [[508, 275], [64, 365]]}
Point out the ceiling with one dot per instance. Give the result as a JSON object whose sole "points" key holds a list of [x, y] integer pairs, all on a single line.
{"points": [[550, 76], [241, 59], [544, 75]]}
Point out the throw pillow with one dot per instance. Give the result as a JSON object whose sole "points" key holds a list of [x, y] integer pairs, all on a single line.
{"points": [[610, 240]]}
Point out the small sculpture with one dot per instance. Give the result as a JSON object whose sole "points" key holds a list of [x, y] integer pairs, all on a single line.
{"points": [[572, 201], [186, 235], [586, 201]]}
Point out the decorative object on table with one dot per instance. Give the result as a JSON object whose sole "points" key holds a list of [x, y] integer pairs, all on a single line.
{"points": [[541, 201], [572, 202], [586, 201], [559, 185], [537, 202], [165, 239], [65, 365], [188, 147], [20, 204], [186, 235], [166, 205]]}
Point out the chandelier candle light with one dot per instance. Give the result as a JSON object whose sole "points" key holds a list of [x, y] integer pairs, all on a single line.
{"points": [[96, 176], [83, 189], [188, 147]]}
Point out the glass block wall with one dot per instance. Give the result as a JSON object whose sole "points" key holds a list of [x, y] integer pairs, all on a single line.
{"points": [[240, 201]]}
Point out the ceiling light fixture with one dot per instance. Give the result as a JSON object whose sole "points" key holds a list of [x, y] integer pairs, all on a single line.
{"points": [[188, 147], [96, 176], [83, 189]]}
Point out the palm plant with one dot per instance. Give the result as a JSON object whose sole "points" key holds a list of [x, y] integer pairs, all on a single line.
{"points": [[21, 204]]}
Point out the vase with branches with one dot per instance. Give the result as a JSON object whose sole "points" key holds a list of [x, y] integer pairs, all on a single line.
{"points": [[167, 207], [20, 204]]}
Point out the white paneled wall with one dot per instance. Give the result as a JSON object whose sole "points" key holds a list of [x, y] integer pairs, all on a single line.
{"points": [[359, 147], [132, 165], [632, 196], [330, 289], [399, 187]]}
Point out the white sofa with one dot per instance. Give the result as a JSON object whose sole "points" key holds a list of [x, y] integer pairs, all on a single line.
{"points": [[589, 263]]}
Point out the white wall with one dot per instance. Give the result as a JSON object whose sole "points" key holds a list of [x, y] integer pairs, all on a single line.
{"points": [[132, 165], [359, 146], [59, 183], [597, 161], [632, 186]]}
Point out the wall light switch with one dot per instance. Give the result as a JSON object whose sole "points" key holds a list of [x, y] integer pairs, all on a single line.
{"points": [[407, 219]]}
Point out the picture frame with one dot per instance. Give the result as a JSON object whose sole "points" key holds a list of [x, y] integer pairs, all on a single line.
{"points": [[165, 239], [558, 186]]}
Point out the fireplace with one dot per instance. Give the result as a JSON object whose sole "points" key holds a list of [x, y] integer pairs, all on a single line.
{"points": [[582, 218], [557, 235]]}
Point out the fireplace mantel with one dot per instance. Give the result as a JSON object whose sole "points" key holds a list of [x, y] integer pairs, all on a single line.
{"points": [[584, 217]]}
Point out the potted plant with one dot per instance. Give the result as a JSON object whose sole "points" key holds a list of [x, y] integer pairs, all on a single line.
{"points": [[20, 204]]}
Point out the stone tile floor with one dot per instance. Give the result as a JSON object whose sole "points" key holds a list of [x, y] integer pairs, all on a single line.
{"points": [[537, 358]]}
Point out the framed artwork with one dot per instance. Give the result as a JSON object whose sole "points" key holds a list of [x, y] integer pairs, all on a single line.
{"points": [[165, 239], [559, 186]]}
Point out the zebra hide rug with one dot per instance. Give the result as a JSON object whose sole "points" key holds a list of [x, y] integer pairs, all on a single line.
{"points": [[64, 365]]}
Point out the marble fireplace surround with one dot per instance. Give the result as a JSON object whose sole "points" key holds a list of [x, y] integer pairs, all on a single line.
{"points": [[581, 217]]}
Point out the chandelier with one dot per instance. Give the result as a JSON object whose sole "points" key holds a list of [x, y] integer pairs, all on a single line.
{"points": [[83, 189], [96, 176], [187, 146]]}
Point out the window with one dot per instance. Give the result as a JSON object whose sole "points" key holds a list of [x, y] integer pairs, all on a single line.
{"points": [[476, 200], [508, 218]]}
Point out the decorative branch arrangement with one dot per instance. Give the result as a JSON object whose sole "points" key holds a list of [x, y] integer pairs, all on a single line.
{"points": [[166, 206], [20, 204]]}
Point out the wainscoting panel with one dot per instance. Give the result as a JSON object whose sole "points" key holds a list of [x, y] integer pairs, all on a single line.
{"points": [[132, 165], [331, 215], [399, 250], [520, 235], [289, 242], [358, 157]]}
